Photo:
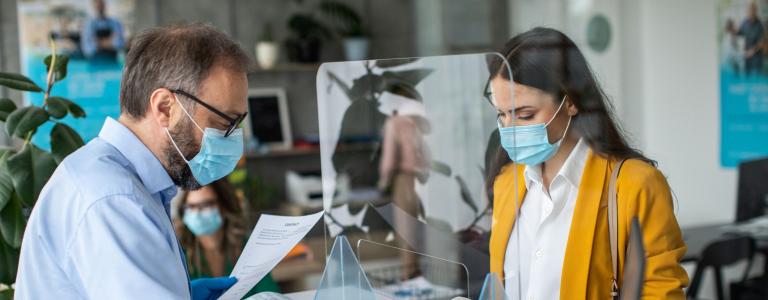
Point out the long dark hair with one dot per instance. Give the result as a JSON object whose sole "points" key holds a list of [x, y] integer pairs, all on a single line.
{"points": [[548, 60], [233, 224]]}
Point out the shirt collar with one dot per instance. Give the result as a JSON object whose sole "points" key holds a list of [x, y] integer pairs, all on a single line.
{"points": [[570, 171], [149, 169]]}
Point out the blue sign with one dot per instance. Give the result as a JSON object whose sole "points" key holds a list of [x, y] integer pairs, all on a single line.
{"points": [[92, 84]]}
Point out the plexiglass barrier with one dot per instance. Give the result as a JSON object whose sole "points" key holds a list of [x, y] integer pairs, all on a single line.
{"points": [[407, 147]]}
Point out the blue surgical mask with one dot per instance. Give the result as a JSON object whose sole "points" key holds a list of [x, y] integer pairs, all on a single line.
{"points": [[202, 222], [529, 144], [218, 154]]}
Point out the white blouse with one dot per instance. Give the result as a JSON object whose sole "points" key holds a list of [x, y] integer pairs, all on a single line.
{"points": [[535, 252]]}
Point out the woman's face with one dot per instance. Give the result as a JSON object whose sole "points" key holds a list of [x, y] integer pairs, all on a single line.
{"points": [[202, 198], [530, 106]]}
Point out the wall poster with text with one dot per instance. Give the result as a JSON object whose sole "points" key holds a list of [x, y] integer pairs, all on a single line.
{"points": [[93, 34], [742, 37]]}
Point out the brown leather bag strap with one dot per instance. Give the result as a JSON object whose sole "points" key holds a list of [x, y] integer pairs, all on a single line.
{"points": [[613, 230]]}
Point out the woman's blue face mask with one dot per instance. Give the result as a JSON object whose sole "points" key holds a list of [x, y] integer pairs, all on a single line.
{"points": [[202, 222], [529, 144]]}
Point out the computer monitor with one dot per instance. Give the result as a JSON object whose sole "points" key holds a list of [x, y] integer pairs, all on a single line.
{"points": [[634, 265], [267, 119], [752, 197]]}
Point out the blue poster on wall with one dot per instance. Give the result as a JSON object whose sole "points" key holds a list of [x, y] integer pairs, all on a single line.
{"points": [[93, 34], [92, 84], [743, 81]]}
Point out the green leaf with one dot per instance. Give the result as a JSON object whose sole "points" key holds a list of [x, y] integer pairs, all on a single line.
{"points": [[9, 259], [64, 140], [466, 196], [12, 223], [7, 294], [18, 82], [60, 69], [24, 120], [30, 168], [6, 107], [441, 167], [6, 188], [56, 107], [74, 109]]}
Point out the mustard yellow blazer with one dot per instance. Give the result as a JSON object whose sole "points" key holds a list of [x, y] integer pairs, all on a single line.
{"points": [[642, 192]]}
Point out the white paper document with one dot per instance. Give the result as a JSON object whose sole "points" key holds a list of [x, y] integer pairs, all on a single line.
{"points": [[271, 240]]}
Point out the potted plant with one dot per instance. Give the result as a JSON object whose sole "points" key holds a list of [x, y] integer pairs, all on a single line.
{"points": [[266, 48], [350, 27], [24, 170], [307, 35]]}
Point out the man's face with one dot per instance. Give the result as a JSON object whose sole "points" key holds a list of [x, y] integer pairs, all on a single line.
{"points": [[99, 7], [224, 90]]}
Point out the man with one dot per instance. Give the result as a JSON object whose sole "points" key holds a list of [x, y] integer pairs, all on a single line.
{"points": [[101, 227], [102, 36], [752, 31]]}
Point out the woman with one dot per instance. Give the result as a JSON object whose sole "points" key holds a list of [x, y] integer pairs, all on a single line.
{"points": [[565, 142], [211, 229]]}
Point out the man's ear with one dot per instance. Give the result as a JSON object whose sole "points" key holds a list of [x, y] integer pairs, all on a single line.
{"points": [[570, 107], [160, 106]]}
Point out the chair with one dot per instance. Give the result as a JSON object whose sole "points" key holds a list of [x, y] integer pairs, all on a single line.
{"points": [[719, 254], [752, 192]]}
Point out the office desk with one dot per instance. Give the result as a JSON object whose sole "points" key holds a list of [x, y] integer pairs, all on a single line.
{"points": [[698, 237]]}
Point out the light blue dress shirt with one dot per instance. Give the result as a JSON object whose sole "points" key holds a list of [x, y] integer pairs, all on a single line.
{"points": [[88, 37], [101, 228]]}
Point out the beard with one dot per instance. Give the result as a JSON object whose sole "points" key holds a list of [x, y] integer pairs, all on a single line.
{"points": [[176, 166]]}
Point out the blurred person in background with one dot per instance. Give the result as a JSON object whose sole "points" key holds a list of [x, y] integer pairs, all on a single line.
{"points": [[212, 230]]}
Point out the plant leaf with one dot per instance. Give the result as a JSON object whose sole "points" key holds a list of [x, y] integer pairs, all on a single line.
{"points": [[8, 257], [441, 167], [466, 197], [64, 140], [6, 108], [74, 109], [24, 120], [7, 294], [60, 69], [56, 107], [30, 168], [12, 223], [6, 188], [18, 82]]}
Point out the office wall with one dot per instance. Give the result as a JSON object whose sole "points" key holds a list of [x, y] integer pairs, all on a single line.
{"points": [[680, 123], [661, 73]]}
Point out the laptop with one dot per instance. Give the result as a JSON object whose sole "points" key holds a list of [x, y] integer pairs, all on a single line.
{"points": [[634, 265]]}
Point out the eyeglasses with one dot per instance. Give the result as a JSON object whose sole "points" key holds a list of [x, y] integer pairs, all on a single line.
{"points": [[234, 123], [202, 205]]}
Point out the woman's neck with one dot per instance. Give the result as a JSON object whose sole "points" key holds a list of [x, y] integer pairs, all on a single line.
{"points": [[212, 241], [551, 167]]}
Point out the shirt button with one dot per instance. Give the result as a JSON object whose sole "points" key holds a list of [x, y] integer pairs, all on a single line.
{"points": [[539, 253]]}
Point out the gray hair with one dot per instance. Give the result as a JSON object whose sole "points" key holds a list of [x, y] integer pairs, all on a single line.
{"points": [[175, 57]]}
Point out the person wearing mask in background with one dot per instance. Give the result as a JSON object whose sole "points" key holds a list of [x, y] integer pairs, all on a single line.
{"points": [[561, 135], [101, 228], [102, 36], [212, 230]]}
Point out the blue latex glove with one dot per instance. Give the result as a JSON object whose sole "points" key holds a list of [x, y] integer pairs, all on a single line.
{"points": [[210, 288]]}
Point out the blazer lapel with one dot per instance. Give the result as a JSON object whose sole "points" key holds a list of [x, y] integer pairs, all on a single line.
{"points": [[505, 214], [581, 236]]}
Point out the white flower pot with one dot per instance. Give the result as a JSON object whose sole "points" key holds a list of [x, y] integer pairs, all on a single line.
{"points": [[356, 48], [267, 54]]}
